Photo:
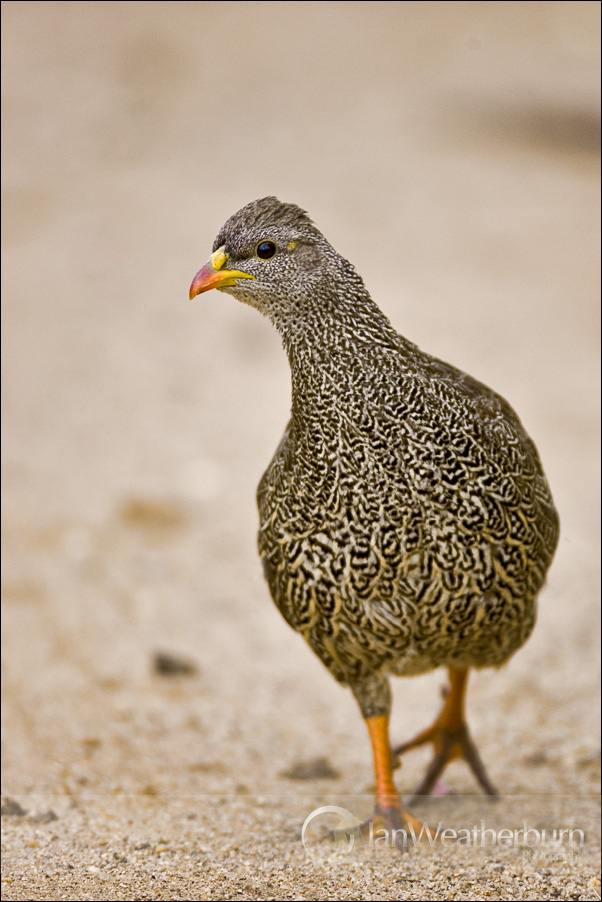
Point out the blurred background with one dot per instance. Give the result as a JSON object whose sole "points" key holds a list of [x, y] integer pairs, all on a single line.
{"points": [[450, 151]]}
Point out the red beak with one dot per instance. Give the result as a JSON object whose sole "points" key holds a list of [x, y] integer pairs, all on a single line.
{"points": [[211, 275]]}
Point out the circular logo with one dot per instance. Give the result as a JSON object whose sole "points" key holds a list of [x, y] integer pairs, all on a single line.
{"points": [[333, 823]]}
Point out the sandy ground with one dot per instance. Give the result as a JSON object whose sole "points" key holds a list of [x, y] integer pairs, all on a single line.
{"points": [[450, 151]]}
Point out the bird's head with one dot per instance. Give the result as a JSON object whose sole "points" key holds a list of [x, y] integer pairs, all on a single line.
{"points": [[270, 255]]}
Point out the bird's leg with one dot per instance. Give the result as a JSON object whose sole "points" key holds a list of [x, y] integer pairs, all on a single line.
{"points": [[373, 695], [400, 824], [450, 738]]}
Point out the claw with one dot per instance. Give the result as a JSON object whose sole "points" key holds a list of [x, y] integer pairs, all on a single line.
{"points": [[394, 825]]}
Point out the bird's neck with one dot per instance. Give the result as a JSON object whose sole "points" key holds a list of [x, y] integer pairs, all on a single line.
{"points": [[342, 319], [335, 355]]}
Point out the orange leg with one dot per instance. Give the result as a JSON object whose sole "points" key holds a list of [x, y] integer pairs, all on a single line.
{"points": [[397, 821], [450, 738]]}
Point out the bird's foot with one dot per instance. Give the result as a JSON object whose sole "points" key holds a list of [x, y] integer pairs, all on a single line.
{"points": [[451, 741], [391, 825], [449, 745], [402, 828]]}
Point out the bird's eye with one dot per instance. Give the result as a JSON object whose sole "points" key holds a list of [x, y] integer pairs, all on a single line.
{"points": [[265, 250]]}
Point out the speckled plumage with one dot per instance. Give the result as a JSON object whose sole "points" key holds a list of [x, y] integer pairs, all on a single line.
{"points": [[405, 519]]}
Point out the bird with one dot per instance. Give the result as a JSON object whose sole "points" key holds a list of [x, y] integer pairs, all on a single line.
{"points": [[405, 521]]}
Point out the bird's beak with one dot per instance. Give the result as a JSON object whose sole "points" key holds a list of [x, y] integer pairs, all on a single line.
{"points": [[211, 275]]}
